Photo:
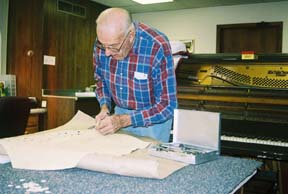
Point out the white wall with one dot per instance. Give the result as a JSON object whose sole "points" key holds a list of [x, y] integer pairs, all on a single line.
{"points": [[3, 34], [200, 24]]}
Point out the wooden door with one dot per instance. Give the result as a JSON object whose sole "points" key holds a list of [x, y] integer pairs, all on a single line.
{"points": [[25, 37], [263, 37]]}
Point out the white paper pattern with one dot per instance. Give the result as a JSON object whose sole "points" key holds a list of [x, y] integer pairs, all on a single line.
{"points": [[63, 147]]}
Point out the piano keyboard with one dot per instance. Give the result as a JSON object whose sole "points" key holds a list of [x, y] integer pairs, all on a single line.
{"points": [[254, 140]]}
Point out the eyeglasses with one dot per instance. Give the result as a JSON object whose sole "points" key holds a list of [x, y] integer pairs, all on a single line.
{"points": [[111, 48]]}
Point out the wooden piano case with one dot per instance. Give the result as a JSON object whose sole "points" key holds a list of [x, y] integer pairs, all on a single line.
{"points": [[252, 97]]}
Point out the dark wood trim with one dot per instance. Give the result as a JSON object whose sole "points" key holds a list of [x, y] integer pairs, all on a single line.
{"points": [[221, 27]]}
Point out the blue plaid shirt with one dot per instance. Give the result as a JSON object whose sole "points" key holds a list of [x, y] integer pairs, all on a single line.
{"points": [[144, 81]]}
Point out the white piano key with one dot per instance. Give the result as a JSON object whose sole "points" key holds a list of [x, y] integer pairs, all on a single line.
{"points": [[254, 140]]}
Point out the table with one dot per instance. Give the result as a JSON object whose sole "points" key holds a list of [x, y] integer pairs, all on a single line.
{"points": [[220, 176]]}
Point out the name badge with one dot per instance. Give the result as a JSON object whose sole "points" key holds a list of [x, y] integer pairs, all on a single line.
{"points": [[140, 75]]}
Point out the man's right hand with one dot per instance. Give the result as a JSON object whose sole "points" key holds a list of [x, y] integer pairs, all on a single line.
{"points": [[102, 115]]}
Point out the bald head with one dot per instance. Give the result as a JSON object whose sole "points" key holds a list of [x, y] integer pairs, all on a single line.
{"points": [[113, 21]]}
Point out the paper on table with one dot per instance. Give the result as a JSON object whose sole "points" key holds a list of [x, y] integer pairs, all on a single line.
{"points": [[64, 146], [138, 164], [74, 145], [4, 159]]}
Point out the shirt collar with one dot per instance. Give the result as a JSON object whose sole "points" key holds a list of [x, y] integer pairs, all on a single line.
{"points": [[136, 43]]}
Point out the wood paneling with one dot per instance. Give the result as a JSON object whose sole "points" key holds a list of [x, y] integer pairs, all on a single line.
{"points": [[25, 31], [70, 38], [36, 25], [60, 111], [263, 37]]}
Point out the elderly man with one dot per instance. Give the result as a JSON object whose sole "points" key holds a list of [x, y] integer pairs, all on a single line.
{"points": [[133, 66]]}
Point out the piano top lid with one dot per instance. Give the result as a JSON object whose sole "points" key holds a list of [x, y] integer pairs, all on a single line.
{"points": [[235, 57]]}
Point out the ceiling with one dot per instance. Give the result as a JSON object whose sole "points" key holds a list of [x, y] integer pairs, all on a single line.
{"points": [[134, 7]]}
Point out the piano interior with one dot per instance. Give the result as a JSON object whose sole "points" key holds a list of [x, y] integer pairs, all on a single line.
{"points": [[252, 97]]}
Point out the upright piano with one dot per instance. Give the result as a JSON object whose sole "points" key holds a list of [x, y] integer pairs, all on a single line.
{"points": [[251, 95]]}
